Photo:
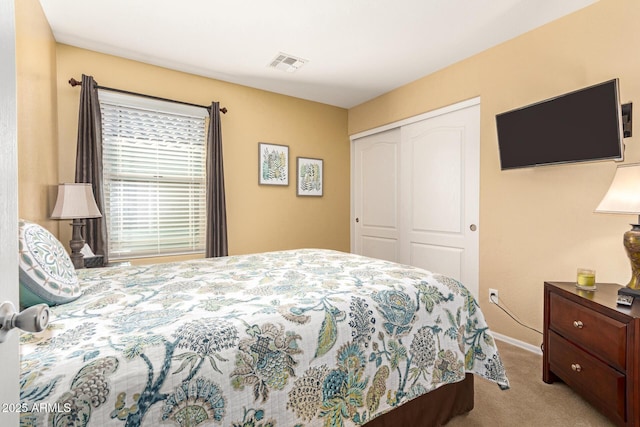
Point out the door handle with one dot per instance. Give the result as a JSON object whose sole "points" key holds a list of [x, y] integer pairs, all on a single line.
{"points": [[473, 227], [32, 319]]}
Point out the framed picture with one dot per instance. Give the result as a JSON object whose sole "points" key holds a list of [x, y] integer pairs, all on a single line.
{"points": [[273, 164], [310, 176]]}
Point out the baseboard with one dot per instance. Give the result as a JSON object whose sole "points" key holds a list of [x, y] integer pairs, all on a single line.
{"points": [[517, 343]]}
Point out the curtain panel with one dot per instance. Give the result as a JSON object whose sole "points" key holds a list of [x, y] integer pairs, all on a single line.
{"points": [[216, 242], [89, 162]]}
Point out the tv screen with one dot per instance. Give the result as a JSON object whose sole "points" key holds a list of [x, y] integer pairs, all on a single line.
{"points": [[579, 126]]}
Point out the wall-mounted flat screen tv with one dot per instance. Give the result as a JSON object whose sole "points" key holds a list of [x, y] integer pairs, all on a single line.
{"points": [[584, 125]]}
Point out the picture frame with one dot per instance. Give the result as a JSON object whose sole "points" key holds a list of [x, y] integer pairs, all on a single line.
{"points": [[309, 177], [273, 164]]}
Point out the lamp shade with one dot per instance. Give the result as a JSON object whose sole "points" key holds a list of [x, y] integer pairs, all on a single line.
{"points": [[75, 201], [623, 196]]}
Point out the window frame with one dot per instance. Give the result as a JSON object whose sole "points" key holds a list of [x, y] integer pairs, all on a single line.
{"points": [[149, 107]]}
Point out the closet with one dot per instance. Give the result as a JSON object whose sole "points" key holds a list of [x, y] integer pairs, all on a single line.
{"points": [[415, 192]]}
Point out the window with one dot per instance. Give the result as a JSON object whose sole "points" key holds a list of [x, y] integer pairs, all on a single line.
{"points": [[154, 176]]}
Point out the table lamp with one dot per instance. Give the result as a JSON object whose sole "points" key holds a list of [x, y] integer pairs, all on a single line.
{"points": [[76, 202], [623, 197]]}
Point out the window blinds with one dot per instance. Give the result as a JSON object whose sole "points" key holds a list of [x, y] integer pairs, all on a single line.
{"points": [[154, 176]]}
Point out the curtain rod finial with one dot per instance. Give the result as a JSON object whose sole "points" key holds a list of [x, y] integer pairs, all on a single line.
{"points": [[223, 110], [73, 82]]}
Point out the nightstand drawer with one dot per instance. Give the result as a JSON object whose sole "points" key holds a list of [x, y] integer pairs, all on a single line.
{"points": [[603, 336], [582, 372]]}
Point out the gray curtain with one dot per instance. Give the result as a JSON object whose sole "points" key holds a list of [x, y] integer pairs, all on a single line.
{"points": [[216, 206], [89, 162]]}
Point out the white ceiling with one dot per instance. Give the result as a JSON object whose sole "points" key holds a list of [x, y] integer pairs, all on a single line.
{"points": [[356, 49]]}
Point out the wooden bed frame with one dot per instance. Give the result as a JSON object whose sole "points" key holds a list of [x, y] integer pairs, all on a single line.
{"points": [[432, 409]]}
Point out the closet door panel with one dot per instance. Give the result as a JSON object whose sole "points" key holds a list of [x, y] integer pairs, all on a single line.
{"points": [[435, 180], [440, 195], [449, 260], [376, 198]]}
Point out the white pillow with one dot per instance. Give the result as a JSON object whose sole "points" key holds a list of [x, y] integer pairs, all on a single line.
{"points": [[46, 273]]}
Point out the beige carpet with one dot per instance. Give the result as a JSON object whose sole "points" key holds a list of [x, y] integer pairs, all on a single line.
{"points": [[529, 401]]}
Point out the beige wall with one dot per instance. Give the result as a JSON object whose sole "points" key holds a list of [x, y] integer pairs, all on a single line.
{"points": [[37, 118], [536, 224], [260, 218]]}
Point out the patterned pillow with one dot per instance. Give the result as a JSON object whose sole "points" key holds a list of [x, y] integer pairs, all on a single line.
{"points": [[46, 273]]}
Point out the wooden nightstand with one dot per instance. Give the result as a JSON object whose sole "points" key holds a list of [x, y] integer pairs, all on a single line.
{"points": [[593, 345]]}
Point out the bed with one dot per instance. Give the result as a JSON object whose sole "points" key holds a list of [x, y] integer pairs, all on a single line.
{"points": [[304, 337]]}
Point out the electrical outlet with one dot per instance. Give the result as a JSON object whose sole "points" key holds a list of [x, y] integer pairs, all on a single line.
{"points": [[493, 296]]}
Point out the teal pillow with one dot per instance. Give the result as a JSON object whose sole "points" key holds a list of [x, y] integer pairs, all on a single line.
{"points": [[46, 272]]}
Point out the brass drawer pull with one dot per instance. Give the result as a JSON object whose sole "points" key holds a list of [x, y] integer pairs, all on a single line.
{"points": [[576, 367], [578, 324]]}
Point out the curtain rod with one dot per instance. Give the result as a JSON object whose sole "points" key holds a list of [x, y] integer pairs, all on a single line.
{"points": [[73, 82]]}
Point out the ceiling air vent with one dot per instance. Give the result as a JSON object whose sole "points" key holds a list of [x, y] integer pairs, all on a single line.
{"points": [[286, 62]]}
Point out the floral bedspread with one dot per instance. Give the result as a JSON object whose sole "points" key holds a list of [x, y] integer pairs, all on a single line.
{"points": [[293, 338]]}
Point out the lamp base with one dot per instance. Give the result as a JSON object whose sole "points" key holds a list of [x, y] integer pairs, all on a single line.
{"points": [[632, 246], [76, 244]]}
